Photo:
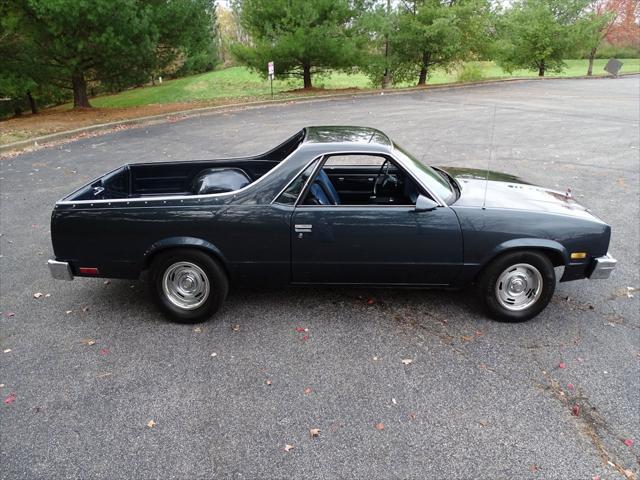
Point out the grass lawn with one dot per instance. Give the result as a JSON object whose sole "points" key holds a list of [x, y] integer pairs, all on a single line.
{"points": [[239, 82], [228, 86]]}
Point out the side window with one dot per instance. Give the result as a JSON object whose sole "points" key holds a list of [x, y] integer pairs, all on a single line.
{"points": [[361, 180], [292, 192]]}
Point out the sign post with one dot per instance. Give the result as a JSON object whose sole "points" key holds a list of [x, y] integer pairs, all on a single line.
{"points": [[271, 74]]}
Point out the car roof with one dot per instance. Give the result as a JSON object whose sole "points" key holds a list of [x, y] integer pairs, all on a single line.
{"points": [[348, 138]]}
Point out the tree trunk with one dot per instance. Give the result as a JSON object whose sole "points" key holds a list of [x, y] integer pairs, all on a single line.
{"points": [[541, 69], [306, 76], [592, 56], [17, 109], [32, 102], [80, 98], [424, 70]]}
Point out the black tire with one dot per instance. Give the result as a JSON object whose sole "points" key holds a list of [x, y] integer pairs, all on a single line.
{"points": [[204, 306], [491, 293]]}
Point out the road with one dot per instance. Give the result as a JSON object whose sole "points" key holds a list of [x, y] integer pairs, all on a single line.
{"points": [[480, 399]]}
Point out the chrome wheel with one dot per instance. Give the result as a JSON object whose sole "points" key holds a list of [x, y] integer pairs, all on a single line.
{"points": [[185, 285], [519, 286]]}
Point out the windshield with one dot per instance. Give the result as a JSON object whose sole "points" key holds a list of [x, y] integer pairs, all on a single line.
{"points": [[427, 175]]}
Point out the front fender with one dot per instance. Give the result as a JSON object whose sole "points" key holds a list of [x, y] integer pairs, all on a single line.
{"points": [[559, 251], [183, 242]]}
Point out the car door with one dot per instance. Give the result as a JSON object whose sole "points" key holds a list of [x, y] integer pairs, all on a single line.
{"points": [[374, 244]]}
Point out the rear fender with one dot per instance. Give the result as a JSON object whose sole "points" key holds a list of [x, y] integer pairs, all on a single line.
{"points": [[183, 242]]}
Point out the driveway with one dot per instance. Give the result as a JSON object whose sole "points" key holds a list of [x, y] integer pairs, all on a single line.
{"points": [[95, 384]]}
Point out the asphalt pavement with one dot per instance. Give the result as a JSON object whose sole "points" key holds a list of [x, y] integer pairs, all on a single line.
{"points": [[96, 384]]}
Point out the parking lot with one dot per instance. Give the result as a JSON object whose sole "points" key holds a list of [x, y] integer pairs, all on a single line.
{"points": [[96, 384]]}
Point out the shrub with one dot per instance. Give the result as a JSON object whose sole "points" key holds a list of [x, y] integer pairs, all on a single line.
{"points": [[608, 50], [470, 72]]}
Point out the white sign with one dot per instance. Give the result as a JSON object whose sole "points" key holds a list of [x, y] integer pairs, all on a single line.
{"points": [[271, 70]]}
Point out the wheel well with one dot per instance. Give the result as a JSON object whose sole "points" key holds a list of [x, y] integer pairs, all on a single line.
{"points": [[149, 258], [553, 255]]}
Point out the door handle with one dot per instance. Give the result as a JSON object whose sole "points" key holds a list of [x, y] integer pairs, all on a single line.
{"points": [[303, 228]]}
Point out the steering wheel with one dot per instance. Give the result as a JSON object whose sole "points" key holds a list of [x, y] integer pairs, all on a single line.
{"points": [[383, 177]]}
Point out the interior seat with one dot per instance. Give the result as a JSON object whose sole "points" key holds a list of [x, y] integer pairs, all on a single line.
{"points": [[329, 190], [317, 196]]}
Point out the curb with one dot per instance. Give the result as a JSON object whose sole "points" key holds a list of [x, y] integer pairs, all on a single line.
{"points": [[202, 111]]}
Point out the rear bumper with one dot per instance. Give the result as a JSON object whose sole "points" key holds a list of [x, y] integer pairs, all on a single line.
{"points": [[602, 267], [60, 270]]}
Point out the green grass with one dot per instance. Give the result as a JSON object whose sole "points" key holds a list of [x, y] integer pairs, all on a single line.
{"points": [[239, 82]]}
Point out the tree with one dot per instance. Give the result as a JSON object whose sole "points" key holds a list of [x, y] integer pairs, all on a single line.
{"points": [[375, 27], [114, 42], [437, 33], [301, 37], [540, 34], [610, 19]]}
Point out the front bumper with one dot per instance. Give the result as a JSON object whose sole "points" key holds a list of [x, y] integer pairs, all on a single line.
{"points": [[602, 267], [60, 270]]}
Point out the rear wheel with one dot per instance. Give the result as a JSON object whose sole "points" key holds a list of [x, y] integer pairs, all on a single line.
{"points": [[517, 286], [188, 285]]}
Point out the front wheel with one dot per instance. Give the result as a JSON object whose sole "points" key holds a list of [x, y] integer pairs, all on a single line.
{"points": [[517, 286], [188, 285]]}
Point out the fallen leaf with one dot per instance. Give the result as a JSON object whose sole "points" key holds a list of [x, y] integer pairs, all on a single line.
{"points": [[570, 386], [301, 329], [379, 426], [595, 477], [9, 314], [483, 423], [305, 338], [37, 295], [314, 432], [412, 416], [268, 382], [628, 442], [575, 410], [562, 365], [6, 350], [103, 351], [151, 424], [88, 341], [466, 338], [307, 390], [479, 333], [235, 328], [197, 330], [288, 447], [533, 468], [406, 361], [10, 398]]}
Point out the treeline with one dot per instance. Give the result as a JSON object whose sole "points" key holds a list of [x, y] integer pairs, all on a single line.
{"points": [[404, 40], [52, 50], [55, 50]]}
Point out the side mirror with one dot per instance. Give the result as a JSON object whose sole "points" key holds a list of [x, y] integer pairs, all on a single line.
{"points": [[424, 204]]}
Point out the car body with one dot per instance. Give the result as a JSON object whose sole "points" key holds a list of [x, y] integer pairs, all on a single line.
{"points": [[275, 219]]}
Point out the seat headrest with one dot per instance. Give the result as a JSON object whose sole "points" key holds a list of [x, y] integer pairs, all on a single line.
{"points": [[219, 180]]}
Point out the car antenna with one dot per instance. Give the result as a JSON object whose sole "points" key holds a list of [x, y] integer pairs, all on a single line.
{"points": [[486, 177]]}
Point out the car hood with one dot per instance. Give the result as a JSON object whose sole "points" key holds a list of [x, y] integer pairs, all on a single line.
{"points": [[508, 191]]}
